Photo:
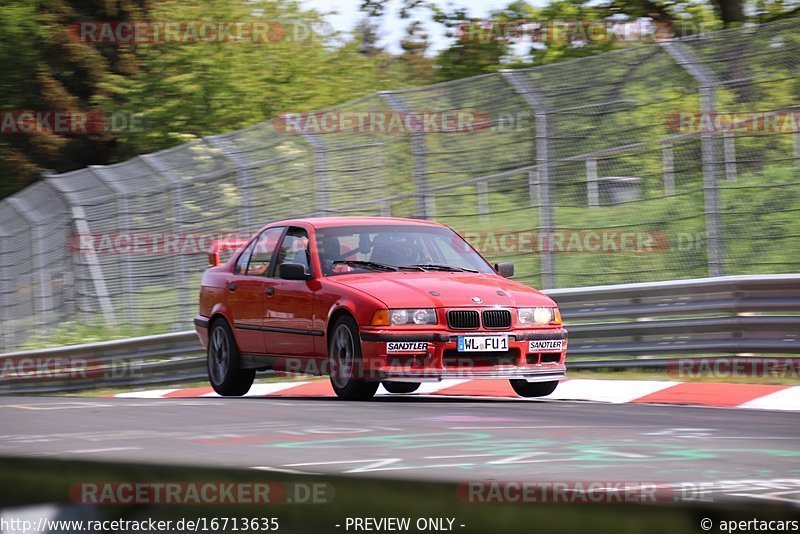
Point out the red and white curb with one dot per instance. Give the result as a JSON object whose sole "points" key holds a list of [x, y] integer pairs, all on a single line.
{"points": [[752, 396]]}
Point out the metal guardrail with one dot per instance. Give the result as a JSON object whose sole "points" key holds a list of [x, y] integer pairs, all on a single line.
{"points": [[722, 315], [621, 326], [162, 359]]}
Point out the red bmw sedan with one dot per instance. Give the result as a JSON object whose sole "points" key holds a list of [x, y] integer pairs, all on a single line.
{"points": [[370, 300]]}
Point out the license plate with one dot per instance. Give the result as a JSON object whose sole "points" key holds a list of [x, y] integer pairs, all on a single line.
{"points": [[545, 345], [482, 343]]}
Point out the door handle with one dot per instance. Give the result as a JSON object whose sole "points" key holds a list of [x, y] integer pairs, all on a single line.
{"points": [[232, 286], [270, 291]]}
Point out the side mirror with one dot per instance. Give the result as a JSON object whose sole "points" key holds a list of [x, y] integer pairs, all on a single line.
{"points": [[504, 269], [293, 271]]}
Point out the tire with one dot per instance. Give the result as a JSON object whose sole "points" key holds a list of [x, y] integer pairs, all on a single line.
{"points": [[401, 387], [524, 388], [344, 355], [224, 363]]}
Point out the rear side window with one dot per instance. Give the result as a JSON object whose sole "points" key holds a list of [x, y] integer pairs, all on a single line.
{"points": [[244, 259], [263, 249]]}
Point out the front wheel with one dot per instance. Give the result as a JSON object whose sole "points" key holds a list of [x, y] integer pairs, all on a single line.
{"points": [[401, 387], [344, 353], [224, 363], [523, 388]]}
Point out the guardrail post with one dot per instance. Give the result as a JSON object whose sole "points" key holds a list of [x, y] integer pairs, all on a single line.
{"points": [[177, 205], [796, 143], [321, 172], [426, 207], [668, 162], [592, 193], [707, 85], [543, 187]]}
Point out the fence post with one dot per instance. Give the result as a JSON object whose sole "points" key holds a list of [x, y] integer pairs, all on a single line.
{"points": [[426, 208], [668, 162], [92, 262], [177, 205], [8, 333], [95, 271], [126, 226], [706, 85], [44, 297], [322, 196], [543, 188], [796, 143]]}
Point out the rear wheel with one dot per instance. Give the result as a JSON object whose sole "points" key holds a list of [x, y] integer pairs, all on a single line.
{"points": [[224, 363], [523, 388], [401, 387], [344, 352]]}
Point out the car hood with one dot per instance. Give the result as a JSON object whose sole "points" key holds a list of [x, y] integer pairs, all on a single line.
{"points": [[405, 289]]}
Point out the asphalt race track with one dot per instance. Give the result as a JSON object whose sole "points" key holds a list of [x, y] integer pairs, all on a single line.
{"points": [[745, 454]]}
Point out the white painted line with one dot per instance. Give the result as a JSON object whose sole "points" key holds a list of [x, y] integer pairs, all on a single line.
{"points": [[279, 470], [450, 456], [151, 394], [428, 388], [574, 390], [613, 391], [110, 449], [785, 399], [265, 389], [58, 406]]}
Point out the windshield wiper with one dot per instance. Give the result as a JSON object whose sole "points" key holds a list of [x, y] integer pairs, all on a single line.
{"points": [[437, 267], [367, 264]]}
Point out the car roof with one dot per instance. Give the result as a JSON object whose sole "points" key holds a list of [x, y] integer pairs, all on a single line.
{"points": [[328, 222]]}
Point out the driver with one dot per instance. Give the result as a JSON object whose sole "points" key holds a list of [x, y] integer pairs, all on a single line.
{"points": [[329, 251]]}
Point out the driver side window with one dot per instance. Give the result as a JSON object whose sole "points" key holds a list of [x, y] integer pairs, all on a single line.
{"points": [[294, 248]]}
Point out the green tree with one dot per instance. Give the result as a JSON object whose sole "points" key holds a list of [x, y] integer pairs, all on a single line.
{"points": [[178, 90], [45, 69]]}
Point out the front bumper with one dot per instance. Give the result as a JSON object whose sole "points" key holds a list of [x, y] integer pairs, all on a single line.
{"points": [[433, 356]]}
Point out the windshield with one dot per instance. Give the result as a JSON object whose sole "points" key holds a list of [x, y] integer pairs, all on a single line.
{"points": [[358, 249]]}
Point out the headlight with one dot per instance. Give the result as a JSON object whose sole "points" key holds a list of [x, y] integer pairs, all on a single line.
{"points": [[538, 315], [413, 316]]}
